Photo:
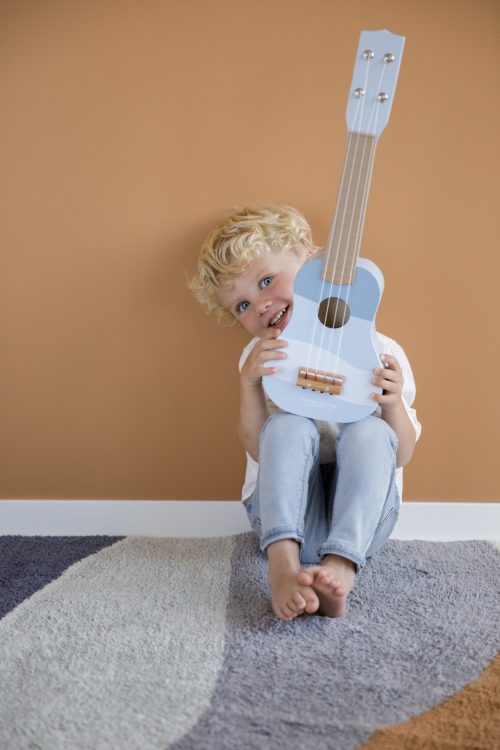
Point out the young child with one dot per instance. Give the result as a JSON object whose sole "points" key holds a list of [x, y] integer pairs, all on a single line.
{"points": [[316, 493]]}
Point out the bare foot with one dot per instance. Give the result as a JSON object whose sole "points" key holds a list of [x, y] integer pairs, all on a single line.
{"points": [[290, 597], [332, 581]]}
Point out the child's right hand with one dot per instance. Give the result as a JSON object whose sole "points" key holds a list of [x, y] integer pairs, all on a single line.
{"points": [[265, 349]]}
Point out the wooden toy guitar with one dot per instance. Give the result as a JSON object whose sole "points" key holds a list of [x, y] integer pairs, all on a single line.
{"points": [[332, 345]]}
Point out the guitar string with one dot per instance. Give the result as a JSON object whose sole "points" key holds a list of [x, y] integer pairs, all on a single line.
{"points": [[365, 187], [363, 208], [359, 111], [329, 244], [325, 263], [352, 270], [353, 138], [342, 241]]}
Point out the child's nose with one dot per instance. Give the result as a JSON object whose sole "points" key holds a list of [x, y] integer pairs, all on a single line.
{"points": [[265, 305]]}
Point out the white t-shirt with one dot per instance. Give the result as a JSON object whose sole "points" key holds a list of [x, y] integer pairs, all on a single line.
{"points": [[328, 431]]}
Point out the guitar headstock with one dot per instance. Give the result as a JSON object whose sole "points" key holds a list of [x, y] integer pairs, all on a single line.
{"points": [[374, 81]]}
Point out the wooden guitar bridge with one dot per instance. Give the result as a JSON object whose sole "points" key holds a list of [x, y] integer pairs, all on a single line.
{"points": [[319, 380]]}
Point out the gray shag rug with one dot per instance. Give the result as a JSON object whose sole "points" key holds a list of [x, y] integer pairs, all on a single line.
{"points": [[139, 642]]}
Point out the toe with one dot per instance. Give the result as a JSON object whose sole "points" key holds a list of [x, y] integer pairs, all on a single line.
{"points": [[337, 587], [298, 600], [288, 612], [305, 578], [312, 604]]}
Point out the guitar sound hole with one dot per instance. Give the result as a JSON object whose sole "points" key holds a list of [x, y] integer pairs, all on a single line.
{"points": [[333, 312]]}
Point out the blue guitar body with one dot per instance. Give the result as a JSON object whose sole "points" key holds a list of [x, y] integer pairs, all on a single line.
{"points": [[350, 351]]}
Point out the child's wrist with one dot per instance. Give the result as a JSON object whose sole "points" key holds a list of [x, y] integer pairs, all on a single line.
{"points": [[392, 408], [250, 384]]}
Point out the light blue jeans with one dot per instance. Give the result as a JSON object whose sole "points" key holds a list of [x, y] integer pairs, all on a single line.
{"points": [[348, 507]]}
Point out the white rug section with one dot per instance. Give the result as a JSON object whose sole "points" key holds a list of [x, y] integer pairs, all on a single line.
{"points": [[208, 518], [110, 650]]}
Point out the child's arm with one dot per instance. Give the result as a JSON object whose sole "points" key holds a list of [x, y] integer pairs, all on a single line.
{"points": [[392, 407], [253, 414], [253, 407]]}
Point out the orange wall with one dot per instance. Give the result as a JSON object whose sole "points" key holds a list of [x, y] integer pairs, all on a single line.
{"points": [[128, 128]]}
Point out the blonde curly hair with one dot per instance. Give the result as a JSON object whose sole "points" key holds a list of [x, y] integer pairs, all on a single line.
{"points": [[239, 238]]}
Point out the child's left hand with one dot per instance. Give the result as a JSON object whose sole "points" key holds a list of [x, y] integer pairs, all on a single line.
{"points": [[390, 378]]}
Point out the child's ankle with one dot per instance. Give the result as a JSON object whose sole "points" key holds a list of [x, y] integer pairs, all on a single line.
{"points": [[283, 556], [337, 561]]}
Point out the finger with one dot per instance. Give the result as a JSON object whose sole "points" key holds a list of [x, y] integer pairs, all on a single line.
{"points": [[268, 358], [390, 362], [383, 399], [271, 354], [272, 333], [391, 386], [272, 339], [282, 342], [273, 343], [387, 374]]}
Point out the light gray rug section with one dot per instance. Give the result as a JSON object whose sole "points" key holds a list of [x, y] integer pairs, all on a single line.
{"points": [[172, 643], [122, 651]]}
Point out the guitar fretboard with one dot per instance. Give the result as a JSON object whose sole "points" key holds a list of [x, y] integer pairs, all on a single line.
{"points": [[342, 250]]}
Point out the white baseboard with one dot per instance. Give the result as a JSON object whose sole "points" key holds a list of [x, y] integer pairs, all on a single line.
{"points": [[204, 518]]}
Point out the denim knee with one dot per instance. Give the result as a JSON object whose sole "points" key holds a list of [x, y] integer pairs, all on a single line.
{"points": [[368, 431], [286, 427]]}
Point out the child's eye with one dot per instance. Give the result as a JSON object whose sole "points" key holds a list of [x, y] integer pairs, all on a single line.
{"points": [[244, 305]]}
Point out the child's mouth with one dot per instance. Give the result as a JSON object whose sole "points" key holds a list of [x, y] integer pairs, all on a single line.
{"points": [[281, 318]]}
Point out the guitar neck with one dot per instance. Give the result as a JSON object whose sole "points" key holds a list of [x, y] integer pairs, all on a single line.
{"points": [[344, 239]]}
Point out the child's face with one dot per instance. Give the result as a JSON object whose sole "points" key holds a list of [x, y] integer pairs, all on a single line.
{"points": [[263, 291]]}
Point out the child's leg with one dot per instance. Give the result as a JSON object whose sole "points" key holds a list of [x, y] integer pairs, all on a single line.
{"points": [[364, 505], [288, 476], [364, 492]]}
